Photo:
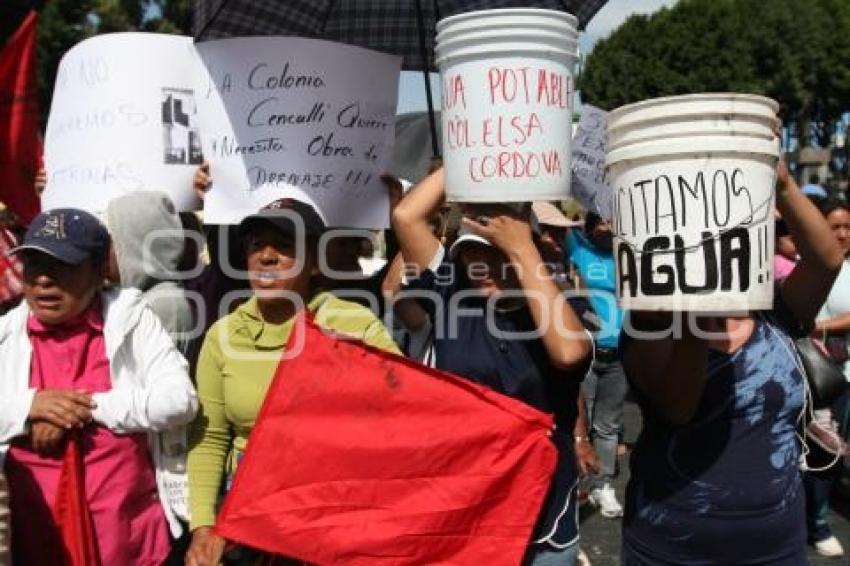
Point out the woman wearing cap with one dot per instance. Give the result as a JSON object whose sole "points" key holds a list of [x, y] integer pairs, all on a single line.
{"points": [[499, 285], [242, 350], [94, 367]]}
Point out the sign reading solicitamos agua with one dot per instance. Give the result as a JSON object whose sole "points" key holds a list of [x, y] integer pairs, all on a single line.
{"points": [[695, 235], [694, 179], [287, 116]]}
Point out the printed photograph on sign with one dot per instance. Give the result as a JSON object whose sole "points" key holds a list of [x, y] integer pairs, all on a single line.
{"points": [[181, 139]]}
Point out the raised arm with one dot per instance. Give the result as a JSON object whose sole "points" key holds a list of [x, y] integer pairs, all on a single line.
{"points": [[807, 287], [669, 371], [564, 337], [410, 220]]}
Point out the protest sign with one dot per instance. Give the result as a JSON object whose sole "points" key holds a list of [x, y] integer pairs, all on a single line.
{"points": [[296, 117], [693, 180], [123, 119], [589, 178], [695, 233], [507, 100]]}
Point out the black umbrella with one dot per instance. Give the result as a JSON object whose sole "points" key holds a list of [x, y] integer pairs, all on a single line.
{"points": [[400, 27]]}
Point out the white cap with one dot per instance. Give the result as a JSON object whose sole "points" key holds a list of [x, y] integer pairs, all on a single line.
{"points": [[465, 235]]}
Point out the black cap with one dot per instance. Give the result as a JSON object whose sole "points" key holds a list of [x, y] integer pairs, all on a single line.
{"points": [[68, 234], [282, 215]]}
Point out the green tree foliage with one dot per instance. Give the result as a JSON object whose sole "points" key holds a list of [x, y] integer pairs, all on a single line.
{"points": [[796, 52], [64, 23]]}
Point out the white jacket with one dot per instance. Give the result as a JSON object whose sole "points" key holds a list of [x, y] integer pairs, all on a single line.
{"points": [[151, 390]]}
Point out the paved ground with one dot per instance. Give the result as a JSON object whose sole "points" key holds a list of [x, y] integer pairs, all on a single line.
{"points": [[600, 537]]}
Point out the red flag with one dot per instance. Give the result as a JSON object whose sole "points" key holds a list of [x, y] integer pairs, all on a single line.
{"points": [[72, 511], [11, 270], [20, 143], [363, 457]]}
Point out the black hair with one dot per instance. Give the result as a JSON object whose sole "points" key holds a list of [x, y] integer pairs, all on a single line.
{"points": [[591, 220], [829, 206]]}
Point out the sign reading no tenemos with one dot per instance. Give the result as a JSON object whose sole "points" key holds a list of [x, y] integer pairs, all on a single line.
{"points": [[123, 119], [286, 116]]}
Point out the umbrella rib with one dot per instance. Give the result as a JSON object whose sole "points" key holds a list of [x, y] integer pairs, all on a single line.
{"points": [[420, 23], [212, 18]]}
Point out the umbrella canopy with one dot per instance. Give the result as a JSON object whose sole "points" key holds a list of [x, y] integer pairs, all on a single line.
{"points": [[390, 26]]}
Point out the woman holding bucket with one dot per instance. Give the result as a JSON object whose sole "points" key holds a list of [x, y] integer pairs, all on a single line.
{"points": [[716, 471], [495, 269]]}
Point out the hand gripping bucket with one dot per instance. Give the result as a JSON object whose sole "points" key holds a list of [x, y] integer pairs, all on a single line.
{"points": [[693, 180], [507, 101]]}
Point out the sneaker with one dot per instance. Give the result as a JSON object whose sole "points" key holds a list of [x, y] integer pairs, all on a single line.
{"points": [[582, 559], [605, 500], [823, 431], [829, 548]]}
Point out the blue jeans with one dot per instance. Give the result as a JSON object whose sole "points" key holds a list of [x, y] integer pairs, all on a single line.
{"points": [[543, 554], [605, 390]]}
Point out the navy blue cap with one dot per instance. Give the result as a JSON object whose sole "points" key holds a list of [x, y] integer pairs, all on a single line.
{"points": [[68, 234], [280, 215]]}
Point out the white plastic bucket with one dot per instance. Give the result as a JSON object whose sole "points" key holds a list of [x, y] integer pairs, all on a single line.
{"points": [[506, 16], [736, 115], [693, 212], [507, 102], [518, 40], [564, 29]]}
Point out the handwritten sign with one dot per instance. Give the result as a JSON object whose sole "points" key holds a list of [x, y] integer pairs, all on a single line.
{"points": [[287, 116], [589, 177], [506, 129], [694, 233], [123, 119]]}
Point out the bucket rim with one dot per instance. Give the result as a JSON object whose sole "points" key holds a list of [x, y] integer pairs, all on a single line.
{"points": [[494, 29], [459, 44], [672, 138], [632, 121], [540, 12], [708, 144], [507, 34], [571, 58], [699, 97]]}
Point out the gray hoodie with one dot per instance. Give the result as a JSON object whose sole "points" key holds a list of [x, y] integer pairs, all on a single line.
{"points": [[149, 242]]}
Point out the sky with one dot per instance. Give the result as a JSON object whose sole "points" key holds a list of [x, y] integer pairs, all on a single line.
{"points": [[411, 87]]}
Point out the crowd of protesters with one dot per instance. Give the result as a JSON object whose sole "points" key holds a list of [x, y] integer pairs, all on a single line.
{"points": [[129, 336]]}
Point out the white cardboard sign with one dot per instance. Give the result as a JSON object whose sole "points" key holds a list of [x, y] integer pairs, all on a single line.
{"points": [[288, 116], [123, 119], [590, 179]]}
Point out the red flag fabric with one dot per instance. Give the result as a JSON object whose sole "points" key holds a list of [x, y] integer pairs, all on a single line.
{"points": [[20, 142], [72, 511], [359, 456], [11, 270]]}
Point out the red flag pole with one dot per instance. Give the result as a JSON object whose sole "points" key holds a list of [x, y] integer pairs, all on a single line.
{"points": [[72, 511]]}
